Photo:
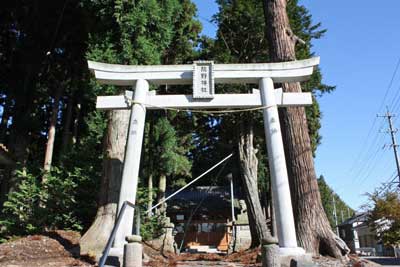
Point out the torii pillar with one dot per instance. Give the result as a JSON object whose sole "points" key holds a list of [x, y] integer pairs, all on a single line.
{"points": [[279, 176], [133, 152]]}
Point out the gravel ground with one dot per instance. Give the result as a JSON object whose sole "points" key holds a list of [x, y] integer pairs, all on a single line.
{"points": [[61, 249], [58, 248]]}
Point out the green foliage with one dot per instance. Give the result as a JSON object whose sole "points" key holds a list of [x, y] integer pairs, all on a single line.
{"points": [[21, 213], [327, 195], [240, 35], [52, 204], [172, 158], [150, 227], [385, 217]]}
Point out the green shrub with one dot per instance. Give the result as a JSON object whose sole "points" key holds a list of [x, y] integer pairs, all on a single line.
{"points": [[152, 227], [22, 213], [56, 203]]}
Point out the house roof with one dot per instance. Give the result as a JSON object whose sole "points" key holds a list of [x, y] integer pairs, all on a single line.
{"points": [[359, 217], [212, 201]]}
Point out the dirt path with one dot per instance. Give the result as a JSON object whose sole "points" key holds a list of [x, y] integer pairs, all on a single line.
{"points": [[61, 249], [58, 248]]}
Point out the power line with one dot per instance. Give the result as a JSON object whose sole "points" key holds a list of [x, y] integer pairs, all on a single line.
{"points": [[369, 159], [395, 105], [360, 156], [390, 84], [366, 157], [363, 147], [394, 144], [395, 99], [388, 184], [371, 166]]}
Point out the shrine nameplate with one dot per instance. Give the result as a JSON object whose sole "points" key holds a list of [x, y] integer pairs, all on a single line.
{"points": [[203, 79]]}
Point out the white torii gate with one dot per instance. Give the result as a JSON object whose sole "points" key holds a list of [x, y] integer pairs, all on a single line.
{"points": [[203, 75]]}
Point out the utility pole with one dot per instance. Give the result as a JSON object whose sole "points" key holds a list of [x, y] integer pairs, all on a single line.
{"points": [[348, 212], [341, 211], [335, 215], [394, 144]]}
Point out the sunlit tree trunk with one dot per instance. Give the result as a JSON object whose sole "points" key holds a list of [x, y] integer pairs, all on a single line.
{"points": [[162, 187], [95, 239], [248, 170], [51, 136], [313, 230]]}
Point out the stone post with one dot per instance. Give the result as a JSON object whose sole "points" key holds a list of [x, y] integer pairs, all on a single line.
{"points": [[270, 255], [132, 161], [133, 251], [279, 177]]}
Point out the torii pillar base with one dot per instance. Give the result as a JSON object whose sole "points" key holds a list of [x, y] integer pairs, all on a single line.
{"points": [[294, 257], [298, 251]]}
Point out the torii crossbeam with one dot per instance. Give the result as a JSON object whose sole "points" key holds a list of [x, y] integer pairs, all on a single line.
{"points": [[203, 75]]}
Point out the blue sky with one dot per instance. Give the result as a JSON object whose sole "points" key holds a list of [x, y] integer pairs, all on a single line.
{"points": [[359, 54]]}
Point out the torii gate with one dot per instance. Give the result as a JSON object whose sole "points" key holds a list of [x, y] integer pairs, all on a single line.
{"points": [[203, 75]]}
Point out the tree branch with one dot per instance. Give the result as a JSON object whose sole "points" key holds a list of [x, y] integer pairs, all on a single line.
{"points": [[294, 37]]}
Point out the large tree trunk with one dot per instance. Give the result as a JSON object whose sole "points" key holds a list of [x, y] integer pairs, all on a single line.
{"points": [[313, 230], [150, 196], [255, 238], [95, 239], [162, 187], [248, 170], [51, 136], [67, 134]]}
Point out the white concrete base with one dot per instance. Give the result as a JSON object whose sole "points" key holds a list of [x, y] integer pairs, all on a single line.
{"points": [[292, 251], [133, 255], [294, 257], [118, 252]]}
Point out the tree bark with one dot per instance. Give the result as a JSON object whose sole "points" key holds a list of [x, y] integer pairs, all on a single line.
{"points": [[313, 230], [150, 188], [95, 239], [248, 170], [162, 187], [51, 136], [67, 134], [150, 196]]}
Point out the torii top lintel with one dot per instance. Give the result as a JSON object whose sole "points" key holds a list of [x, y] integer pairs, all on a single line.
{"points": [[127, 75]]}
